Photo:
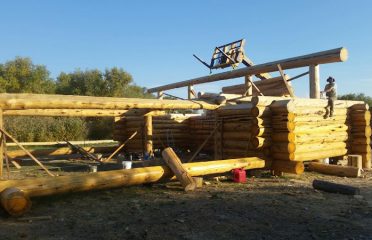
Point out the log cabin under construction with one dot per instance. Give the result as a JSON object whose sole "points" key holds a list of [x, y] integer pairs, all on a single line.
{"points": [[258, 124]]}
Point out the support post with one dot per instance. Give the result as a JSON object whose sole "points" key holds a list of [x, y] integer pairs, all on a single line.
{"points": [[290, 91], [160, 95], [190, 92], [248, 85], [314, 81], [148, 135]]}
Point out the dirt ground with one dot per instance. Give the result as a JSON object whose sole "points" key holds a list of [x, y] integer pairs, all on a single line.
{"points": [[265, 207]]}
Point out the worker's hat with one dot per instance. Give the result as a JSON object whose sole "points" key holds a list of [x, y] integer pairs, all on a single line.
{"points": [[330, 79]]}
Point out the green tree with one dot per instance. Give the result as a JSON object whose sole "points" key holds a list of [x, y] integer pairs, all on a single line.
{"points": [[117, 81], [89, 83], [22, 76], [358, 96], [114, 82]]}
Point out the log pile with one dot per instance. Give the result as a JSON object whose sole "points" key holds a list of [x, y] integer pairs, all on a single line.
{"points": [[301, 132], [244, 130], [361, 134], [268, 87]]}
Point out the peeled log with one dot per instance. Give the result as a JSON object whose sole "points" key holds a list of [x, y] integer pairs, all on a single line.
{"points": [[237, 135], [174, 163], [266, 100], [334, 55], [14, 201], [361, 148], [65, 112], [44, 186], [316, 103], [58, 151], [21, 101], [330, 129], [364, 116], [319, 146], [260, 112], [287, 167], [258, 142], [341, 171], [257, 131], [307, 156]]}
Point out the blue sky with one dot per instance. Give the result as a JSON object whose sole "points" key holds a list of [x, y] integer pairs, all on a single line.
{"points": [[155, 40]]}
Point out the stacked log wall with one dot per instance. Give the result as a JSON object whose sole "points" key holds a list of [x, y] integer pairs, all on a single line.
{"points": [[168, 130], [361, 134], [302, 132]]}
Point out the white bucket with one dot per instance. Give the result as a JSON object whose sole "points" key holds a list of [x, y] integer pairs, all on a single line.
{"points": [[93, 168], [127, 164]]}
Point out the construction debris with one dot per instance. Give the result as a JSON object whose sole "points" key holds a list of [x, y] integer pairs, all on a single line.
{"points": [[335, 188]]}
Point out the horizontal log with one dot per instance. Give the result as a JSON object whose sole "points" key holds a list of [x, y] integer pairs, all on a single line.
{"points": [[244, 145], [313, 111], [309, 137], [334, 55], [313, 103], [361, 116], [307, 156], [255, 131], [341, 171], [44, 186], [287, 167], [361, 148], [65, 112], [10, 101], [361, 141], [237, 135], [58, 151], [266, 100], [319, 118], [303, 148], [88, 142], [262, 121], [258, 142], [260, 112]]}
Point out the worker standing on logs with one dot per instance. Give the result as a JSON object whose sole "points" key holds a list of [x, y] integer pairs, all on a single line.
{"points": [[330, 90]]}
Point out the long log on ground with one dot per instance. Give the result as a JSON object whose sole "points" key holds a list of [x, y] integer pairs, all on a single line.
{"points": [[174, 163], [66, 112], [21, 101], [341, 171], [44, 186], [58, 151], [62, 143], [335, 188], [14, 201], [334, 55]]}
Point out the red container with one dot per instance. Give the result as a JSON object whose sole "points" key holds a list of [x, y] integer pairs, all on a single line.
{"points": [[239, 175]]}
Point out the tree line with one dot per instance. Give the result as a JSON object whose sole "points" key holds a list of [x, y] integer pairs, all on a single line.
{"points": [[21, 75]]}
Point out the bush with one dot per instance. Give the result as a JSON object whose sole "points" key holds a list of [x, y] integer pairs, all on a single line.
{"points": [[46, 129]]}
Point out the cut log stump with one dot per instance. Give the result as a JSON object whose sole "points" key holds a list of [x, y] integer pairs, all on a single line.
{"points": [[14, 201]]}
